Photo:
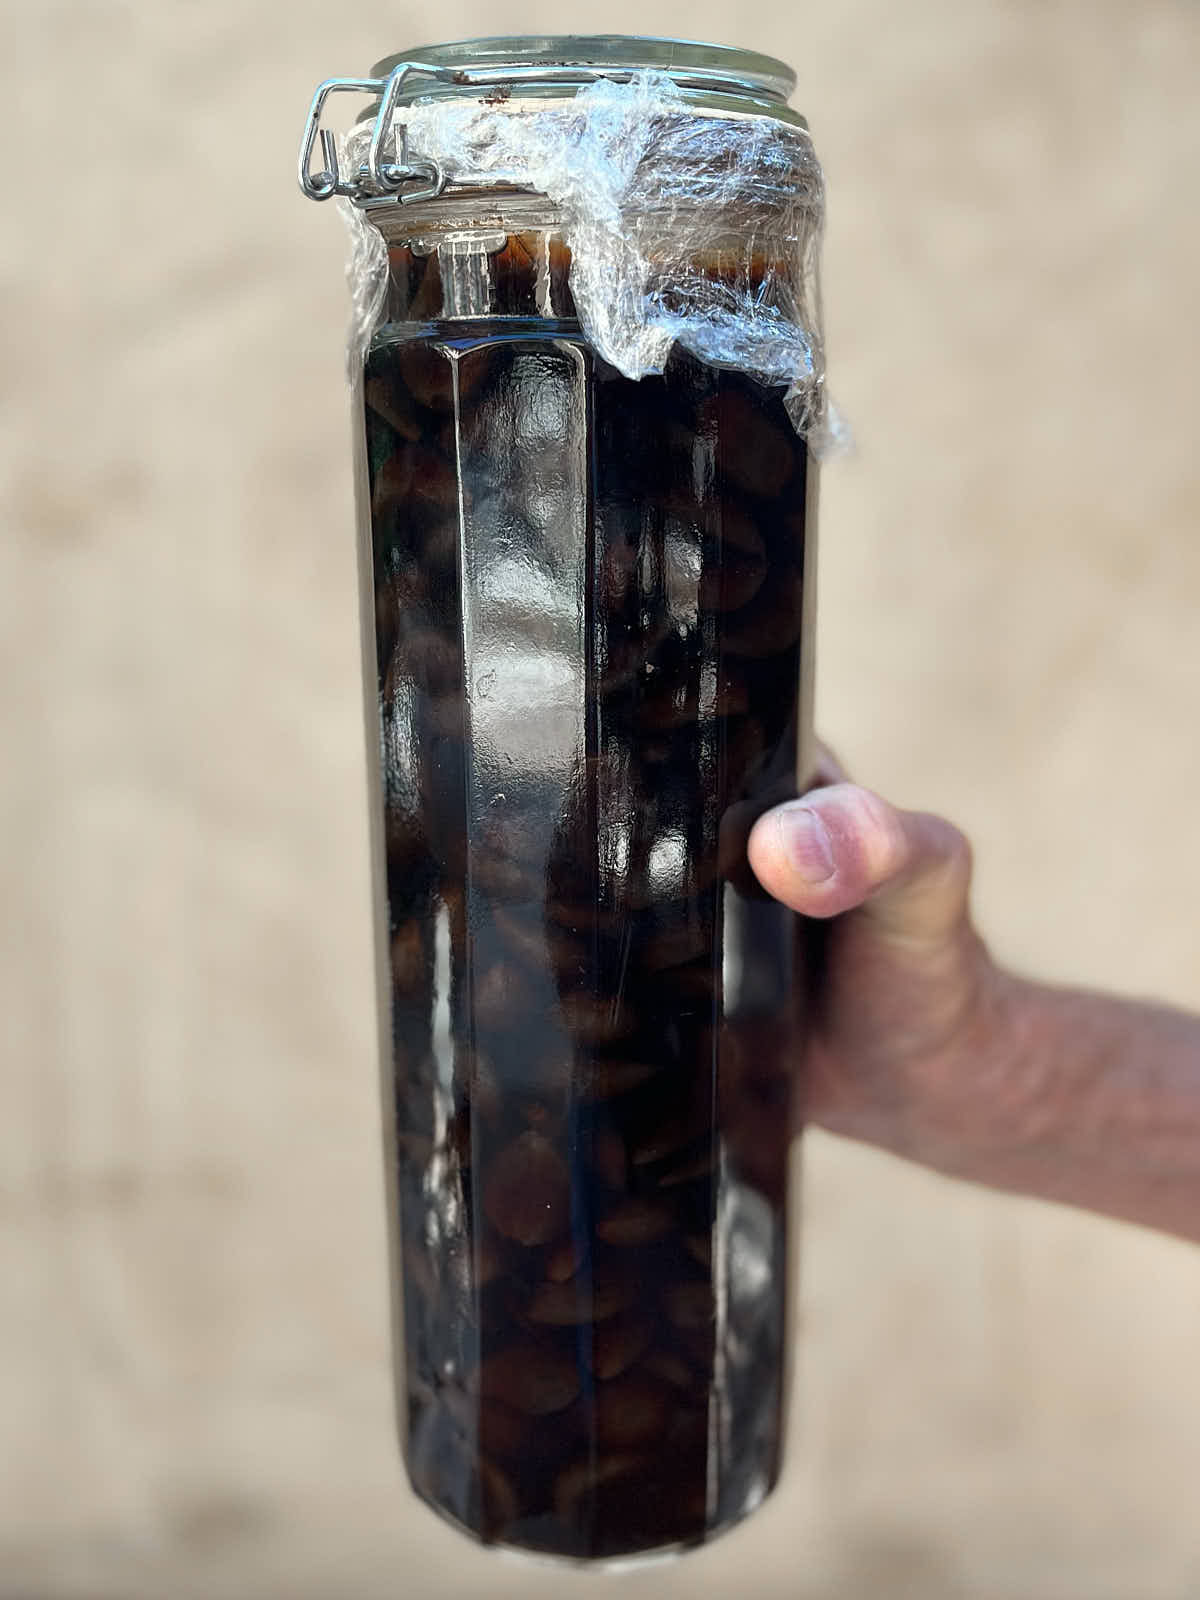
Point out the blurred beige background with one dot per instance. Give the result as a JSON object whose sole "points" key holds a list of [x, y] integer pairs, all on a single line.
{"points": [[999, 1400]]}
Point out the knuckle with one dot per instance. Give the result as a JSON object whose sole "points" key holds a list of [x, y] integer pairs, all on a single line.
{"points": [[880, 831], [957, 857]]}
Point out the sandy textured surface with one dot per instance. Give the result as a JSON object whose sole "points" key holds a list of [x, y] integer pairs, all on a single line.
{"points": [[999, 1401]]}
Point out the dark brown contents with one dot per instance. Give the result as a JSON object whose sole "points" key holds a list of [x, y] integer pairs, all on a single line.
{"points": [[588, 627]]}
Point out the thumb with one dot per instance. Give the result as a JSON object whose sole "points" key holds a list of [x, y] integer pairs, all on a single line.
{"points": [[842, 847]]}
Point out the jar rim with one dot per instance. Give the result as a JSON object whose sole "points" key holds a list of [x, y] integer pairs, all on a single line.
{"points": [[724, 72]]}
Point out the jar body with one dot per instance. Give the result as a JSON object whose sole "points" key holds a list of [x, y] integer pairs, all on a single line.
{"points": [[591, 649]]}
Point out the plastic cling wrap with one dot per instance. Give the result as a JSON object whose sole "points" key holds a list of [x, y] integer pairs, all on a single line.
{"points": [[366, 276], [685, 227]]}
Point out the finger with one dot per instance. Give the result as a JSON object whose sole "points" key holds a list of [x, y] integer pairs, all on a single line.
{"points": [[738, 818], [842, 848], [734, 832], [828, 768]]}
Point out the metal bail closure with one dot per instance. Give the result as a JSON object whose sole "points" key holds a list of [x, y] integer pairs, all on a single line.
{"points": [[755, 84], [377, 178]]}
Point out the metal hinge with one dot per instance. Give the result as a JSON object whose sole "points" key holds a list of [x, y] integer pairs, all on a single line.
{"points": [[378, 177]]}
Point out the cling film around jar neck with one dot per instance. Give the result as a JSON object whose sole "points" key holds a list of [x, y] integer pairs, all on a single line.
{"points": [[660, 193]]}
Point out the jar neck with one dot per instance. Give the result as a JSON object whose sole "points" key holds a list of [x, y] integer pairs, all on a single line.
{"points": [[484, 276], [505, 254]]}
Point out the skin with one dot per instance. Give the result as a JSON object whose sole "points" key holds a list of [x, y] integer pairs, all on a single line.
{"points": [[924, 1046]]}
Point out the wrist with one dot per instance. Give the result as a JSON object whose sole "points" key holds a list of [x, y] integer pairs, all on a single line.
{"points": [[977, 1107]]}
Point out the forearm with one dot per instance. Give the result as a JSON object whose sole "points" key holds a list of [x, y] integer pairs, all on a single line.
{"points": [[918, 1043], [1088, 1100]]}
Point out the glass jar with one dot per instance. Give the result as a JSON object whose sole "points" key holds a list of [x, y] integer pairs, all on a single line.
{"points": [[589, 633]]}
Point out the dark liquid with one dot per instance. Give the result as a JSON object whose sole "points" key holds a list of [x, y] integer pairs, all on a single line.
{"points": [[588, 598]]}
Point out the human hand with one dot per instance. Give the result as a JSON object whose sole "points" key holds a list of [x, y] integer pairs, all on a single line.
{"points": [[910, 1040]]}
